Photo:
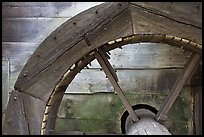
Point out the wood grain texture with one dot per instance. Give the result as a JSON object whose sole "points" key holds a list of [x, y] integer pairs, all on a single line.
{"points": [[35, 9], [82, 34], [34, 110], [15, 122], [23, 115], [63, 49], [32, 30], [186, 12], [147, 22]]}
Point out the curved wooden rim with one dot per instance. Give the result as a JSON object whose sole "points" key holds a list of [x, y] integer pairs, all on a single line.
{"points": [[71, 46], [86, 59]]}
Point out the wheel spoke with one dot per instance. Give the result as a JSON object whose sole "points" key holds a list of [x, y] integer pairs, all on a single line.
{"points": [[190, 68], [111, 75]]}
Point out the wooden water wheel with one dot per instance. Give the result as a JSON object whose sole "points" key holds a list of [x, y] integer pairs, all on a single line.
{"points": [[37, 93]]}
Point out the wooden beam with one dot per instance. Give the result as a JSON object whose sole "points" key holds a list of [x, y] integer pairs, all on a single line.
{"points": [[197, 94], [103, 55], [107, 68], [191, 66]]}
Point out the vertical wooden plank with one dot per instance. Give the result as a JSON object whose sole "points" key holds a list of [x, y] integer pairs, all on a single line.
{"points": [[197, 92], [23, 115], [5, 82], [15, 122]]}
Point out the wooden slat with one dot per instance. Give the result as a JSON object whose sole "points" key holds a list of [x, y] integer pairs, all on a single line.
{"points": [[153, 81], [24, 4], [29, 30], [15, 122], [197, 93], [147, 55], [46, 10], [107, 69], [193, 61], [50, 10], [20, 50]]}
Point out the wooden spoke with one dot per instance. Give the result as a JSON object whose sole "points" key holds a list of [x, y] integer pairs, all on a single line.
{"points": [[191, 66], [111, 75]]}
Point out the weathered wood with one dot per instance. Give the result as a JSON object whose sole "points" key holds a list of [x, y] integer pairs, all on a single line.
{"points": [[50, 10], [42, 61], [34, 110], [107, 63], [195, 75], [178, 11], [50, 125], [32, 4], [29, 30], [5, 83], [147, 55], [108, 70], [15, 122], [60, 66], [147, 22], [117, 25], [154, 81], [78, 36], [13, 50], [193, 61], [47, 10], [197, 94]]}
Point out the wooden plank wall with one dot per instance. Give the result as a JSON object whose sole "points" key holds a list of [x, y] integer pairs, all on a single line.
{"points": [[24, 26], [147, 68]]}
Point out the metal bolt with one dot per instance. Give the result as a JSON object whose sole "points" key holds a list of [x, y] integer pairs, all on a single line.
{"points": [[24, 75], [15, 98]]}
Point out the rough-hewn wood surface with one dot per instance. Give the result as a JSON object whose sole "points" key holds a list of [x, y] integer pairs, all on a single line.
{"points": [[148, 22], [90, 29], [15, 122], [23, 115], [42, 64]]}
